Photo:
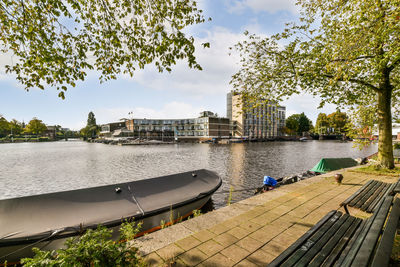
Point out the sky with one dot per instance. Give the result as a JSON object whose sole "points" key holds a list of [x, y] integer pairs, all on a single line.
{"points": [[182, 93]]}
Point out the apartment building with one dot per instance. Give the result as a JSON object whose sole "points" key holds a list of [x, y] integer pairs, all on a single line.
{"points": [[254, 119], [206, 126]]}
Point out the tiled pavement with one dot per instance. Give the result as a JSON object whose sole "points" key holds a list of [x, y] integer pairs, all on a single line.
{"points": [[254, 231]]}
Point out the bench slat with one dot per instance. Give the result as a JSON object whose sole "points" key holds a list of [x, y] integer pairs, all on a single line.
{"points": [[353, 247], [367, 241], [333, 241], [310, 254], [384, 248], [355, 197], [376, 195], [285, 254], [349, 199], [310, 241], [350, 244], [336, 252], [367, 195], [397, 188], [380, 198]]}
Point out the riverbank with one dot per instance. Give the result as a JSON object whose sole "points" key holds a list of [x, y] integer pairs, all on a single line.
{"points": [[254, 231]]}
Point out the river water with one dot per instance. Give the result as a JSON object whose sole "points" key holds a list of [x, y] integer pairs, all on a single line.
{"points": [[35, 168]]}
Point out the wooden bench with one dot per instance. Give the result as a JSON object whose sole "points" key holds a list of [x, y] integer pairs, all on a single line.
{"points": [[343, 240], [369, 195]]}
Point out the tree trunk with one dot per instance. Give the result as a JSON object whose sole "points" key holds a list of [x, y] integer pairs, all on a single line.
{"points": [[385, 147]]}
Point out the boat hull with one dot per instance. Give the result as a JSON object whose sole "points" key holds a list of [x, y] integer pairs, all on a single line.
{"points": [[151, 215]]}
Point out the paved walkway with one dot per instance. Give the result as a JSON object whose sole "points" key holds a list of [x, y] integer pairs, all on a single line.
{"points": [[254, 231]]}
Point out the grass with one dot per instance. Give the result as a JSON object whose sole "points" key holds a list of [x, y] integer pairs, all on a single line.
{"points": [[372, 169]]}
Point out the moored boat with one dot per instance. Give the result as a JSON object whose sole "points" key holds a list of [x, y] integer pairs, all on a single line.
{"points": [[46, 221]]}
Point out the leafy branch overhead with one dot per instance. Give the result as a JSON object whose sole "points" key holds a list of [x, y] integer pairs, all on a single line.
{"points": [[56, 42], [341, 51], [346, 52]]}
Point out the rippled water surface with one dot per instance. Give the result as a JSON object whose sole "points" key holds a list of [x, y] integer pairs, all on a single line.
{"points": [[34, 168]]}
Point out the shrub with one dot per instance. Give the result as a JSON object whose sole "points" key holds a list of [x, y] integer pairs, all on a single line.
{"points": [[396, 146], [94, 248]]}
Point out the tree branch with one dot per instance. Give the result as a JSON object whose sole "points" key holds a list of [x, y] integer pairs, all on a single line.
{"points": [[357, 58], [357, 81], [394, 64]]}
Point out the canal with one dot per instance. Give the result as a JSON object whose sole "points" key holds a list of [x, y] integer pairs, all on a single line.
{"points": [[35, 168]]}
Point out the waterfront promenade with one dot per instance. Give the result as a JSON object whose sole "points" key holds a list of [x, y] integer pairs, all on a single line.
{"points": [[254, 231]]}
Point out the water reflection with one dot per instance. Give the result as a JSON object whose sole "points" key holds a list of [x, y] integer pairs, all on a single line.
{"points": [[34, 168]]}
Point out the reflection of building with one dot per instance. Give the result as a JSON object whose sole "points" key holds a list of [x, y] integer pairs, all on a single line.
{"points": [[259, 119], [204, 127]]}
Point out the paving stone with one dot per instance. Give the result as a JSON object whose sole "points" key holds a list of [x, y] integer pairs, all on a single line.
{"points": [[226, 239], [204, 235], [249, 244], [284, 238], [265, 218], [261, 258], [263, 235], [188, 243], [218, 229], [245, 263], [250, 226], [282, 209], [274, 248], [153, 259], [295, 202], [284, 198], [282, 224], [175, 263], [169, 251], [210, 247], [235, 253], [192, 257], [297, 230], [217, 260], [300, 212], [238, 232]]}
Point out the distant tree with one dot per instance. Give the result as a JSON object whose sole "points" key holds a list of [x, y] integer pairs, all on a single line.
{"points": [[36, 126], [91, 129], [305, 124], [292, 124], [298, 124], [15, 127], [337, 121], [4, 126], [322, 124], [91, 121], [361, 125]]}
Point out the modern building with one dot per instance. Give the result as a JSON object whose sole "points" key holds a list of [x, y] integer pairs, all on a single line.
{"points": [[107, 130], [206, 126], [257, 119]]}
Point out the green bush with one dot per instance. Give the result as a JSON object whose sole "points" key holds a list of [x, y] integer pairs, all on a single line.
{"points": [[43, 139], [95, 248], [396, 146]]}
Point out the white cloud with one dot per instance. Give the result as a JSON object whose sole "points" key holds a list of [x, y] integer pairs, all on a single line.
{"points": [[171, 110], [217, 66], [270, 6]]}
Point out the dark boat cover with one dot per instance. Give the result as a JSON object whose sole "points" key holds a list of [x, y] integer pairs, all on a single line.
{"points": [[35, 217], [331, 164]]}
